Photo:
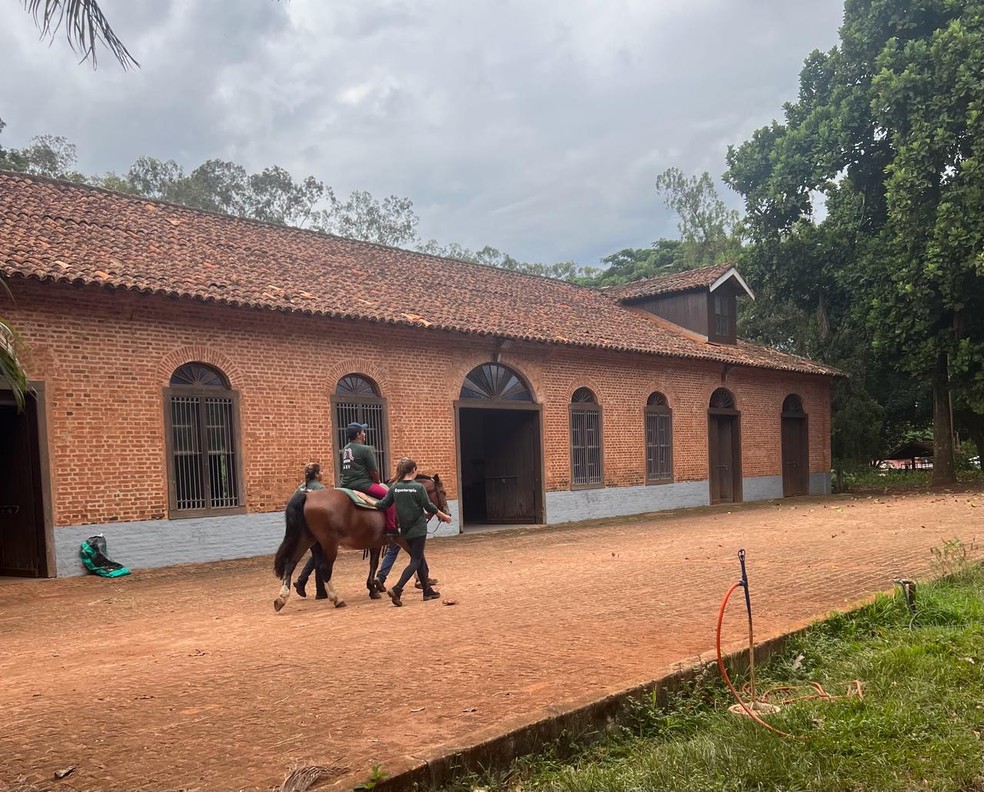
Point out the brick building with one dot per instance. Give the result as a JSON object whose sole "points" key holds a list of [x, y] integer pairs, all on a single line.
{"points": [[187, 365]]}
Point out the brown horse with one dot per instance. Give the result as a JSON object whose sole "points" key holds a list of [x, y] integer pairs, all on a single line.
{"points": [[328, 519]]}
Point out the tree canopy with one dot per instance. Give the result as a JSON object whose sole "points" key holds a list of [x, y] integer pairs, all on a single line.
{"points": [[887, 134]]}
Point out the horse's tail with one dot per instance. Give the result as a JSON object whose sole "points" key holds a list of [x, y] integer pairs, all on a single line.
{"points": [[296, 524]]}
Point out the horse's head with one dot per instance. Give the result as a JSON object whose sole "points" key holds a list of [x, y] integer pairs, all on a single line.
{"points": [[435, 491]]}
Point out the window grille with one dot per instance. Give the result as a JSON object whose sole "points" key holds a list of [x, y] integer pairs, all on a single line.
{"points": [[494, 382], [723, 399], [792, 405], [585, 439], [357, 400], [659, 440], [203, 441]]}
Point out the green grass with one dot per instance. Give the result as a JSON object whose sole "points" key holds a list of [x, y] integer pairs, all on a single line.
{"points": [[917, 727]]}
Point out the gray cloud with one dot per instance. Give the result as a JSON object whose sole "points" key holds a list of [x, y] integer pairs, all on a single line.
{"points": [[538, 128]]}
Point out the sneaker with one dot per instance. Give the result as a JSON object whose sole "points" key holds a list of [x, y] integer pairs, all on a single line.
{"points": [[299, 588], [394, 594], [321, 595], [432, 595]]}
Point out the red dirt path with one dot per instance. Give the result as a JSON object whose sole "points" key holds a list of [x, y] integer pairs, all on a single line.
{"points": [[185, 678]]}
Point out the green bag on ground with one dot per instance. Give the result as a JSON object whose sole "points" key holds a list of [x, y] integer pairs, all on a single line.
{"points": [[93, 552]]}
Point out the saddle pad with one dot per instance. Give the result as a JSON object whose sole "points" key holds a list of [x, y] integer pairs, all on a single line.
{"points": [[355, 498]]}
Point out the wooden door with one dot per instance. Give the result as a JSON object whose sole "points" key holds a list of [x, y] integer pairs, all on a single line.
{"points": [[723, 458], [795, 464], [509, 466], [21, 512]]}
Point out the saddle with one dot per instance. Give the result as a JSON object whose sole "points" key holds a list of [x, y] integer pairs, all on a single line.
{"points": [[356, 498]]}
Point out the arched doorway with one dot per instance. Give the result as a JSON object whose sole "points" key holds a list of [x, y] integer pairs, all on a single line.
{"points": [[724, 447], [795, 448], [500, 455]]}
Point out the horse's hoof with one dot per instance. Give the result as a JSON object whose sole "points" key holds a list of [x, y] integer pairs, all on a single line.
{"points": [[278, 604], [375, 594], [340, 604]]}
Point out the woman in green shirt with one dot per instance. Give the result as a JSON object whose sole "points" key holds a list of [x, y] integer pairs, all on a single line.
{"points": [[312, 481], [412, 508]]}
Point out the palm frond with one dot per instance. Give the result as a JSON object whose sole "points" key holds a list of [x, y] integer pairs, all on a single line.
{"points": [[85, 26], [11, 371]]}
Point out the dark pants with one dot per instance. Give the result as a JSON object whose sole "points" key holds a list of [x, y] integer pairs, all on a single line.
{"points": [[305, 575], [417, 564]]}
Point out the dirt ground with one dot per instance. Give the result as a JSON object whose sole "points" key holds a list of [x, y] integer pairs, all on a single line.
{"points": [[185, 678]]}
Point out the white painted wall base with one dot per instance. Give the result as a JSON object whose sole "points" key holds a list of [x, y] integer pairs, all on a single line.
{"points": [[157, 543]]}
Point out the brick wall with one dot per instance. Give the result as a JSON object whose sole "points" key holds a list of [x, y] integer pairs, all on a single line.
{"points": [[106, 356]]}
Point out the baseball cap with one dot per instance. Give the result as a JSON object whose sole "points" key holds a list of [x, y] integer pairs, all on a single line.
{"points": [[357, 427]]}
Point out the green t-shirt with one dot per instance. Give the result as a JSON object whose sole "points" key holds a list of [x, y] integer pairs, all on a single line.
{"points": [[411, 505], [310, 485], [358, 461]]}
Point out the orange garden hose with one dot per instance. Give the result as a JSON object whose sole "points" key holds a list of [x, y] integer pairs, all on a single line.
{"points": [[854, 689], [724, 671]]}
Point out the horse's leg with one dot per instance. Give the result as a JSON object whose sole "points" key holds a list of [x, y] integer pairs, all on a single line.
{"points": [[303, 545], [371, 580], [325, 567]]}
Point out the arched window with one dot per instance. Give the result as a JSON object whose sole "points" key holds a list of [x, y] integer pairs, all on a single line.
{"points": [[659, 440], [357, 400], [792, 406], [722, 399], [496, 383], [203, 446], [586, 459]]}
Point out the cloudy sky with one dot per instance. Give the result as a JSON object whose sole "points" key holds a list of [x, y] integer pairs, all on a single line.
{"points": [[535, 126]]}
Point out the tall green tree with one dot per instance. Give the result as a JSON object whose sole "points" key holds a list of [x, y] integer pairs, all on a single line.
{"points": [[632, 264], [708, 228], [887, 129]]}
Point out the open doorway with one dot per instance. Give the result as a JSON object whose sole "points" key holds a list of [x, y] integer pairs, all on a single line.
{"points": [[500, 466], [24, 545], [500, 451]]}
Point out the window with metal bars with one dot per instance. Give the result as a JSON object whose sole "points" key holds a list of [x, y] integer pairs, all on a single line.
{"points": [[586, 459], [659, 440], [202, 435], [357, 400]]}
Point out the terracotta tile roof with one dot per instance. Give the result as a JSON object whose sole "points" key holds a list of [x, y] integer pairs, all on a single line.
{"points": [[66, 232], [668, 284]]}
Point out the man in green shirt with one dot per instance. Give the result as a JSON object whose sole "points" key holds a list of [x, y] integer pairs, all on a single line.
{"points": [[359, 468], [360, 471]]}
